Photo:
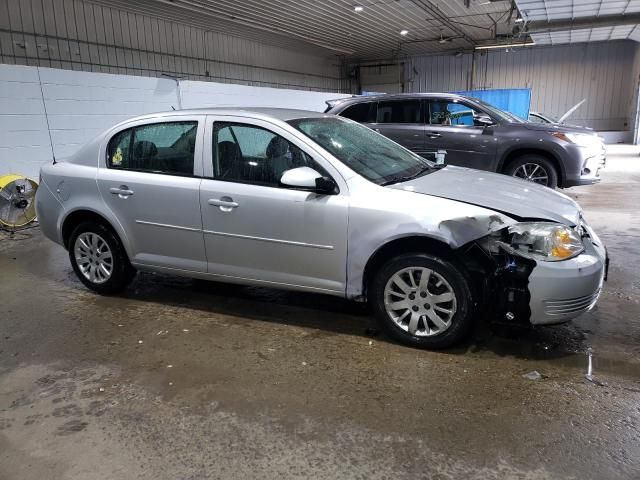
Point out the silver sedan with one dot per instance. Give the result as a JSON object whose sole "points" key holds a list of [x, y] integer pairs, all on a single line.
{"points": [[306, 201]]}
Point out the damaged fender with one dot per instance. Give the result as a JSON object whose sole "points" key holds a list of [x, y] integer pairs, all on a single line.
{"points": [[377, 223]]}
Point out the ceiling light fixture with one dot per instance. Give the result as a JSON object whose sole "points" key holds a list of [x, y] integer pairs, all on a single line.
{"points": [[358, 8], [404, 32], [505, 45]]}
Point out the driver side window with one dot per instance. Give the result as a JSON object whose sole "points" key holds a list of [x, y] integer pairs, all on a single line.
{"points": [[250, 154], [449, 113]]}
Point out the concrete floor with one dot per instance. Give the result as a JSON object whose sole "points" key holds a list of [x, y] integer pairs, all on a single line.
{"points": [[188, 380]]}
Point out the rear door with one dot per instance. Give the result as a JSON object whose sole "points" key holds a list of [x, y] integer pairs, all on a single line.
{"points": [[451, 127], [403, 122], [150, 179]]}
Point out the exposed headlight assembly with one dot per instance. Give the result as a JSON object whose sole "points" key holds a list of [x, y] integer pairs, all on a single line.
{"points": [[549, 242]]}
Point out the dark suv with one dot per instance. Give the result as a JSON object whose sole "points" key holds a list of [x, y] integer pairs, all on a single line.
{"points": [[478, 135]]}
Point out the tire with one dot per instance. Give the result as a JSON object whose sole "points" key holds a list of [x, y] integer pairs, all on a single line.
{"points": [[93, 245], [444, 278], [535, 166]]}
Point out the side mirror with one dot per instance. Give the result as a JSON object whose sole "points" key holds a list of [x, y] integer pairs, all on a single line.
{"points": [[483, 120], [305, 178]]}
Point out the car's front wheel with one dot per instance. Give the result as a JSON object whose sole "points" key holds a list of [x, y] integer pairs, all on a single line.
{"points": [[99, 259], [534, 168], [422, 301]]}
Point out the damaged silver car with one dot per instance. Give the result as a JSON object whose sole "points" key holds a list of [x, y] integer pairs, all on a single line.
{"points": [[313, 202]]}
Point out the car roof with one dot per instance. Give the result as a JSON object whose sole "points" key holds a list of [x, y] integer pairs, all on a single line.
{"points": [[397, 96], [283, 114]]}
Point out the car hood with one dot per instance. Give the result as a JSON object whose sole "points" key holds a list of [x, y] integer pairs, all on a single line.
{"points": [[508, 195], [556, 127]]}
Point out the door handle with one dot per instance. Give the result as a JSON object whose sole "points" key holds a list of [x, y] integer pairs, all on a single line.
{"points": [[226, 204], [434, 134], [122, 191]]}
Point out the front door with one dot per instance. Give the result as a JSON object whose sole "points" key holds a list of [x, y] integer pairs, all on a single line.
{"points": [[254, 228], [451, 127], [151, 183]]}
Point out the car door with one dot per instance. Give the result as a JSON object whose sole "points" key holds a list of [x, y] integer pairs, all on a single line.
{"points": [[451, 126], [403, 122], [256, 229], [150, 179]]}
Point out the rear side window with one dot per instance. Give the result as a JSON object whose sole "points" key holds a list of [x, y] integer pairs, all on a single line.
{"points": [[156, 148], [404, 111], [360, 112]]}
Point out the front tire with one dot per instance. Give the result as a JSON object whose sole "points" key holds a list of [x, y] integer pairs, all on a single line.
{"points": [[422, 301], [99, 259], [534, 168]]}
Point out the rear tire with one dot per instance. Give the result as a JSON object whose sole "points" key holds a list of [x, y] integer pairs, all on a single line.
{"points": [[99, 259], [534, 168], [422, 301]]}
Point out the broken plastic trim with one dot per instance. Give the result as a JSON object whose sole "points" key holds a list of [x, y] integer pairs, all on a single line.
{"points": [[505, 282]]}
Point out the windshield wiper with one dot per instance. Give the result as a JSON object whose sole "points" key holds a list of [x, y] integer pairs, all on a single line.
{"points": [[411, 177]]}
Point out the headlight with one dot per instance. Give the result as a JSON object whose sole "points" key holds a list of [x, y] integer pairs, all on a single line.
{"points": [[579, 139], [549, 242]]}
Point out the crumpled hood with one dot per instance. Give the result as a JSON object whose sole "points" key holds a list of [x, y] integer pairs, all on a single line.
{"points": [[502, 193]]}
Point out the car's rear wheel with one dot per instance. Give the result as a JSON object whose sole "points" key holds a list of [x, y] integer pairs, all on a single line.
{"points": [[534, 168], [422, 301], [99, 259]]}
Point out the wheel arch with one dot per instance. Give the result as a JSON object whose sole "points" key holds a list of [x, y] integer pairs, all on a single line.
{"points": [[76, 217], [512, 155], [407, 244]]}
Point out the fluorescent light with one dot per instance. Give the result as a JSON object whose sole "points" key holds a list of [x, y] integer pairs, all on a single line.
{"points": [[358, 8], [505, 45], [519, 20], [404, 32]]}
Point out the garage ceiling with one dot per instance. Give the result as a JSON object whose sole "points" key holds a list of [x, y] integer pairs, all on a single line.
{"points": [[599, 34], [557, 9], [552, 22], [334, 27]]}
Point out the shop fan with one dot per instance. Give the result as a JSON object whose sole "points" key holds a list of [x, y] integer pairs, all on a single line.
{"points": [[17, 201]]}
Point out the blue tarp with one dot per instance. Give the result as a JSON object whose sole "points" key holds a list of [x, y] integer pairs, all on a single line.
{"points": [[514, 100]]}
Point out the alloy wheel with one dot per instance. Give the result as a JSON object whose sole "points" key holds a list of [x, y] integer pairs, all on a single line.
{"points": [[532, 172], [94, 257], [420, 301]]}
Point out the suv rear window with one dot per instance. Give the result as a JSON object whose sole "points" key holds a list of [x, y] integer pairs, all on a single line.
{"points": [[360, 112]]}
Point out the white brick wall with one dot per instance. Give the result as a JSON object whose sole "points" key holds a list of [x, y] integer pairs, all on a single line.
{"points": [[24, 142], [209, 94], [79, 105]]}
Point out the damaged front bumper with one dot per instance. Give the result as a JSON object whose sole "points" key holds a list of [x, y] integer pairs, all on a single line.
{"points": [[561, 291], [525, 291]]}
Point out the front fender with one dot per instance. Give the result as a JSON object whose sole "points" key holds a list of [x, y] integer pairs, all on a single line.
{"points": [[395, 214]]}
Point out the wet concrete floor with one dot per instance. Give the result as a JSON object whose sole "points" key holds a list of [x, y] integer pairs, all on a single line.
{"points": [[179, 379]]}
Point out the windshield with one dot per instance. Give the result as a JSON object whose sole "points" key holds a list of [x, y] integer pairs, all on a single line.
{"points": [[503, 115], [368, 153]]}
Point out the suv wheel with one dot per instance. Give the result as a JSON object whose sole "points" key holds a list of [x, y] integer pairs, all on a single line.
{"points": [[422, 301], [99, 259], [534, 168]]}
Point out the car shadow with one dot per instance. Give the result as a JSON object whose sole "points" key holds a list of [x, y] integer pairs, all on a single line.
{"points": [[340, 316]]}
